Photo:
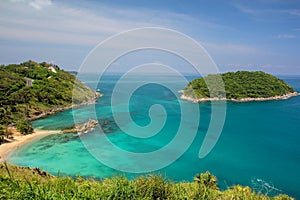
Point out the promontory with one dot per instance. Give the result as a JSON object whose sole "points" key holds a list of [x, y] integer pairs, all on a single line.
{"points": [[33, 90]]}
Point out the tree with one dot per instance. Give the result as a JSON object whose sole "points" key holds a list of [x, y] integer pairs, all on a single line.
{"points": [[238, 85], [7, 133], [24, 127], [2, 134], [5, 113]]}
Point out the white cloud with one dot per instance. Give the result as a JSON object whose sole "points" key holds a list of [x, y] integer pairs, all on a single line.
{"points": [[16, 1], [284, 36], [67, 24], [247, 10], [295, 12], [39, 4], [232, 49], [58, 23], [268, 13], [36, 4]]}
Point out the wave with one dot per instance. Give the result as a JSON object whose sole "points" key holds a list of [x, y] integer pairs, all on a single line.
{"points": [[265, 187]]}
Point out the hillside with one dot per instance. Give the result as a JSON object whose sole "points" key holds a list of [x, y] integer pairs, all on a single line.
{"points": [[30, 90], [241, 85], [26, 183]]}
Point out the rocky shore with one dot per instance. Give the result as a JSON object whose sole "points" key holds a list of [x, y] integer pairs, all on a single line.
{"points": [[106, 125], [53, 111], [18, 139], [286, 96]]}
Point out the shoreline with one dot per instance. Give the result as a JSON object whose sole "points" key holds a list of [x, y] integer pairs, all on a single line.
{"points": [[201, 100], [7, 149], [53, 111]]}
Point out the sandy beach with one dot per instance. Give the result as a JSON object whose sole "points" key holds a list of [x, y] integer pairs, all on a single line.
{"points": [[7, 148]]}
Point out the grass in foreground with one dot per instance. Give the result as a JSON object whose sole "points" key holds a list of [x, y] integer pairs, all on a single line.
{"points": [[26, 183]]}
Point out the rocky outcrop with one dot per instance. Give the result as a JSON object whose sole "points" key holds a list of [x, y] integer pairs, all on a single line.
{"points": [[194, 100], [40, 172], [83, 127], [36, 172], [107, 125]]}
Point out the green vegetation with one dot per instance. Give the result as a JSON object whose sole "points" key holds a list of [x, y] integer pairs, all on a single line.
{"points": [[2, 133], [26, 183], [238, 85], [30, 89], [24, 127]]}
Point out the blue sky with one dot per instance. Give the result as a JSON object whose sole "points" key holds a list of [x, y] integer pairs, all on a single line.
{"points": [[239, 35]]}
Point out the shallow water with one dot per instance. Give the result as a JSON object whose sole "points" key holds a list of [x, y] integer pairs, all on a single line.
{"points": [[259, 145]]}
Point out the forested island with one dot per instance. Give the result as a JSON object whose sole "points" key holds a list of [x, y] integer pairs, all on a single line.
{"points": [[32, 90], [239, 86]]}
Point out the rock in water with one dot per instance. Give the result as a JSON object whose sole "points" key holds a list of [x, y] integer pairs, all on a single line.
{"points": [[82, 128]]}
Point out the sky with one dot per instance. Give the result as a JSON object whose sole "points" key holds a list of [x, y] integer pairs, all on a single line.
{"points": [[238, 35]]}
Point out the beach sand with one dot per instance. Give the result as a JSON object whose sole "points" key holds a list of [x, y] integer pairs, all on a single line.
{"points": [[7, 148]]}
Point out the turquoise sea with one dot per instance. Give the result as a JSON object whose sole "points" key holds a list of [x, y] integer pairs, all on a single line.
{"points": [[259, 145]]}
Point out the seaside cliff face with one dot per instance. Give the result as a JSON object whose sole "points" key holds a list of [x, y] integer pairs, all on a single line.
{"points": [[32, 90], [239, 86]]}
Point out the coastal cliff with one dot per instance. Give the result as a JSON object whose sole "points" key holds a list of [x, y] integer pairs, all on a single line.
{"points": [[241, 86]]}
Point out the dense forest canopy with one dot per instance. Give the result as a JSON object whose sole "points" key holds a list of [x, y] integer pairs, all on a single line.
{"points": [[238, 85], [30, 88]]}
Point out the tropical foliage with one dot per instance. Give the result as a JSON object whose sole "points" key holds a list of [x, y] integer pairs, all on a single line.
{"points": [[24, 127], [30, 88], [237, 85], [25, 183]]}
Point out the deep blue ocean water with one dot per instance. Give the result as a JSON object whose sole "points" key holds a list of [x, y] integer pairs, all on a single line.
{"points": [[259, 145]]}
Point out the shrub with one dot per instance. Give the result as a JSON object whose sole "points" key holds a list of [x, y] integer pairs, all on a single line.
{"points": [[207, 179]]}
